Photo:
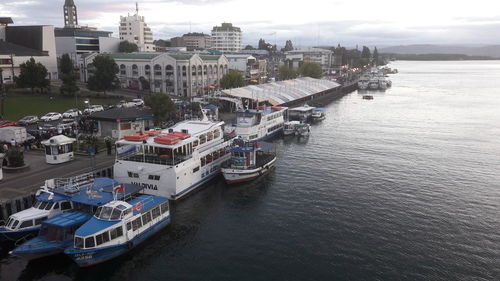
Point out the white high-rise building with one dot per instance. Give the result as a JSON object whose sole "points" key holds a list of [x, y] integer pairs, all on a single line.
{"points": [[226, 38], [135, 30]]}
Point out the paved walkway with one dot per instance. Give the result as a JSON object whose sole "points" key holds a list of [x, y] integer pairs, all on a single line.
{"points": [[18, 184]]}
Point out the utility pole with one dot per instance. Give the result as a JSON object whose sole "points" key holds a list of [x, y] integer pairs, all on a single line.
{"points": [[2, 94]]}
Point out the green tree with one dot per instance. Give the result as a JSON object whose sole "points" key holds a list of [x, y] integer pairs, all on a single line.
{"points": [[262, 44], [288, 46], [33, 75], [162, 107], [365, 53], [287, 73], [249, 47], [375, 56], [233, 79], [127, 47], [103, 77], [67, 76], [66, 65], [311, 69]]}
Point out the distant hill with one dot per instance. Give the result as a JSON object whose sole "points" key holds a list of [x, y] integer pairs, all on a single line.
{"points": [[482, 51]]}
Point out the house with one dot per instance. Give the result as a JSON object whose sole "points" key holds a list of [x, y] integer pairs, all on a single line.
{"points": [[118, 122]]}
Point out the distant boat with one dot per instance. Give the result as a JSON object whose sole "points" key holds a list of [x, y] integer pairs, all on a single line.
{"points": [[367, 97], [290, 128], [318, 114]]}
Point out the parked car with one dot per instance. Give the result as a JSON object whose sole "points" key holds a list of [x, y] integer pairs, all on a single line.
{"points": [[28, 120], [125, 104], [93, 108], [7, 123], [51, 116], [138, 102], [72, 113]]}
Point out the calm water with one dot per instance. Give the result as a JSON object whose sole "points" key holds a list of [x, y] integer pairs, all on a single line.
{"points": [[404, 186]]}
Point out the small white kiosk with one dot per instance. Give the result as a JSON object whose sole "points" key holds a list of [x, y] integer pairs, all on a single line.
{"points": [[59, 149]]}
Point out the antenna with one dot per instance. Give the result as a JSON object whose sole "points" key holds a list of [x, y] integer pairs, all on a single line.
{"points": [[136, 8]]}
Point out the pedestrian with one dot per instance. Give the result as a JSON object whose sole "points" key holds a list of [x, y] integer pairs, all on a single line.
{"points": [[108, 146], [91, 153], [5, 147], [13, 143]]}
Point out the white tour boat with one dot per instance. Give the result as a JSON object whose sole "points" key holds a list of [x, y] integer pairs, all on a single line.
{"points": [[258, 124], [318, 114], [175, 161], [301, 113], [290, 128]]}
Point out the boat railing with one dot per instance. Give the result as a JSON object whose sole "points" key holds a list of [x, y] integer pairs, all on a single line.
{"points": [[145, 199], [155, 159], [73, 184]]}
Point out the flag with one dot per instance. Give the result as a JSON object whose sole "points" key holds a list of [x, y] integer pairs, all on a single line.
{"points": [[119, 188]]}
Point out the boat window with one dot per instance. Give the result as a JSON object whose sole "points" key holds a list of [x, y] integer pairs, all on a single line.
{"points": [[154, 177], [98, 239], [156, 212], [89, 242], [203, 161], [37, 204], [105, 236], [49, 206], [203, 139], [40, 220], [216, 155], [16, 222], [56, 205], [146, 218], [98, 212], [216, 134], [136, 224], [195, 143], [28, 223], [116, 214], [112, 233], [129, 226], [196, 169], [119, 231], [164, 207], [106, 213], [43, 205], [121, 207], [78, 242], [210, 136], [65, 205], [126, 212]]}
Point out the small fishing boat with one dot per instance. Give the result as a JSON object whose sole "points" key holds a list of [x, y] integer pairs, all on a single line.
{"points": [[318, 114], [248, 161], [55, 235], [289, 128], [303, 129], [117, 227]]}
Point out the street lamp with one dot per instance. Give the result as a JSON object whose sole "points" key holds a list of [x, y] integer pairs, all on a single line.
{"points": [[87, 102]]}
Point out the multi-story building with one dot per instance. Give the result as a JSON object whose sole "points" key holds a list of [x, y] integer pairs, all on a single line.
{"points": [[75, 40], [135, 30], [181, 74], [321, 56], [18, 44], [193, 41], [253, 69], [226, 38]]}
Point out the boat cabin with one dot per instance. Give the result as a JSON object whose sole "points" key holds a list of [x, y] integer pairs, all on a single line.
{"points": [[170, 147], [59, 149], [63, 227], [302, 113]]}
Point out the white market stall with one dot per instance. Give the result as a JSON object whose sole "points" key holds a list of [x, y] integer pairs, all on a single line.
{"points": [[59, 149]]}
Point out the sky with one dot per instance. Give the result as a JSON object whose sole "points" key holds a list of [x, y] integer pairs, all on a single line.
{"points": [[306, 22]]}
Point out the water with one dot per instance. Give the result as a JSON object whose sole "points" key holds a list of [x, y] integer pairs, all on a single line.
{"points": [[404, 186]]}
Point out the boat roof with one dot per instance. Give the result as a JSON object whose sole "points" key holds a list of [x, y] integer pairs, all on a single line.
{"points": [[105, 195], [51, 197], [242, 149], [319, 109], [193, 127], [148, 202], [302, 108], [58, 140], [94, 225], [96, 184], [265, 111], [68, 219]]}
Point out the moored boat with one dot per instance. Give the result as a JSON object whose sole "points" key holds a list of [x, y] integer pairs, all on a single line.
{"points": [[248, 161], [303, 129], [118, 227], [258, 124], [290, 128], [318, 114], [301, 113]]}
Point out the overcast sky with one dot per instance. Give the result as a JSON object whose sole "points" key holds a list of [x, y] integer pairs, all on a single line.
{"points": [[307, 22]]}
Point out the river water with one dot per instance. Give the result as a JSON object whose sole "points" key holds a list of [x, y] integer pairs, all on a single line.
{"points": [[402, 187]]}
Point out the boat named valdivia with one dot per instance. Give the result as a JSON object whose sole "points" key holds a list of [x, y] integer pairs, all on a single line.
{"points": [[175, 161], [258, 124], [117, 227]]}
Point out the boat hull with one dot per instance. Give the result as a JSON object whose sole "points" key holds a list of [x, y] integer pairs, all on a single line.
{"points": [[90, 257], [9, 235], [233, 176]]}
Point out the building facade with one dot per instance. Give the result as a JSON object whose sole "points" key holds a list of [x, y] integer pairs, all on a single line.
{"points": [[321, 56], [84, 40], [253, 69], [180, 74], [135, 30], [18, 44], [227, 38]]}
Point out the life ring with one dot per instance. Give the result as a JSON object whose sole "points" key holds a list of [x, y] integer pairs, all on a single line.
{"points": [[138, 206]]}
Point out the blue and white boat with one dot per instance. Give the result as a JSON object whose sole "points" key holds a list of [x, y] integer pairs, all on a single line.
{"points": [[117, 227], [54, 198], [318, 114], [258, 124], [55, 235]]}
